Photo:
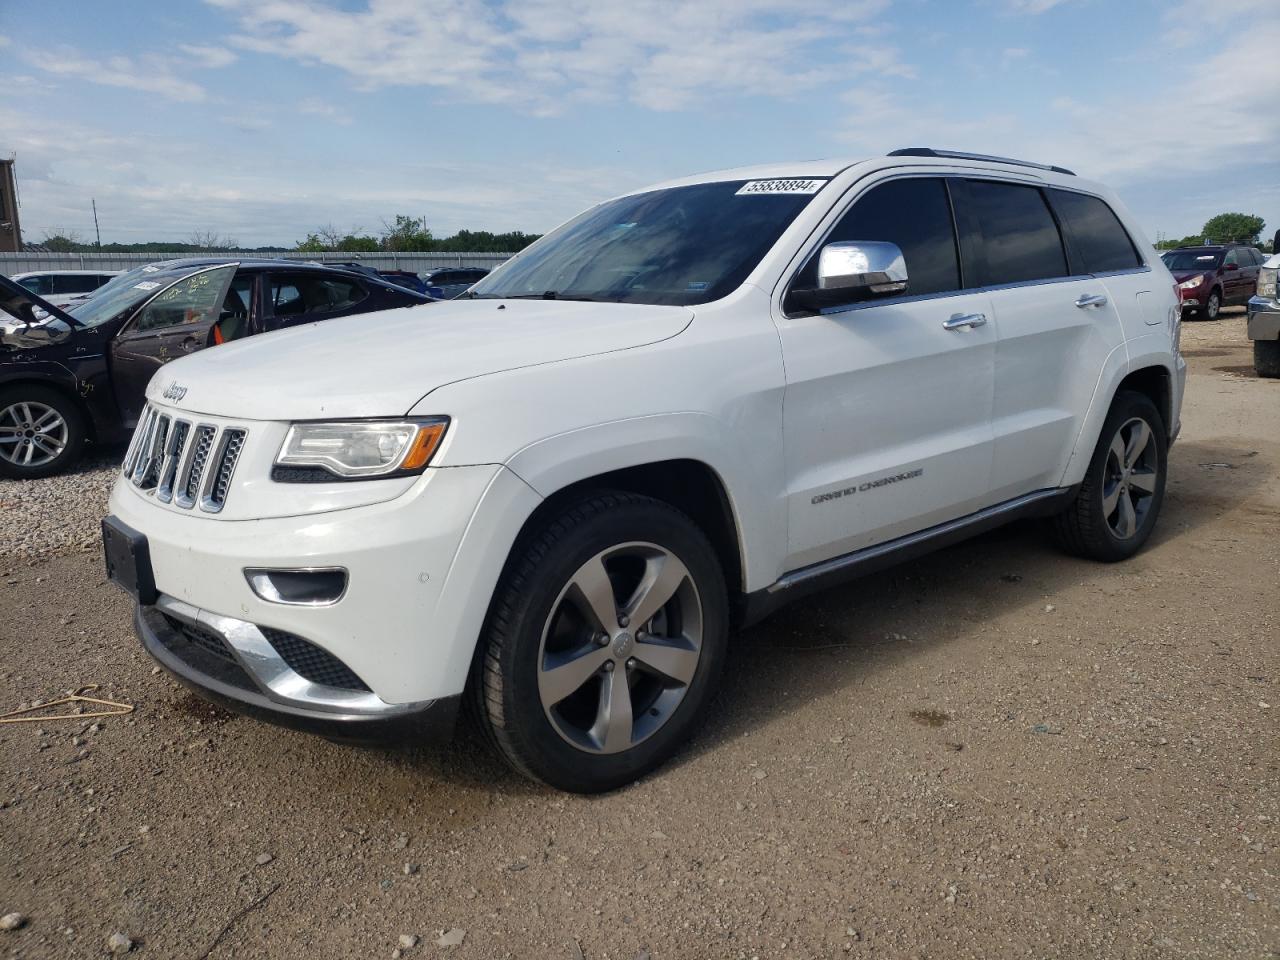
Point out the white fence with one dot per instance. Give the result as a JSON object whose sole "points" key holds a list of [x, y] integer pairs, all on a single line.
{"points": [[11, 263]]}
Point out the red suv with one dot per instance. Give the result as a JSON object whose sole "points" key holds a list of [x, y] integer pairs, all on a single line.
{"points": [[1212, 277]]}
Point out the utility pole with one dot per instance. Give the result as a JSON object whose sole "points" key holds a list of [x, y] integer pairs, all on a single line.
{"points": [[96, 231]]}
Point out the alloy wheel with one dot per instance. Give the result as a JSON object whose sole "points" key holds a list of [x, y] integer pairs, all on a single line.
{"points": [[1212, 306], [620, 647], [1130, 481], [32, 434]]}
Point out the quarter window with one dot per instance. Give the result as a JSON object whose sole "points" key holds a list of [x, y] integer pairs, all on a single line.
{"points": [[912, 212], [1096, 232], [1019, 237]]}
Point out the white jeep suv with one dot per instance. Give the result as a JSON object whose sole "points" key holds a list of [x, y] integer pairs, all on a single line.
{"points": [[559, 495]]}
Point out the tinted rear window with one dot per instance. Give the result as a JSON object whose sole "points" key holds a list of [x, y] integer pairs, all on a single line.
{"points": [[1096, 232], [1019, 235]]}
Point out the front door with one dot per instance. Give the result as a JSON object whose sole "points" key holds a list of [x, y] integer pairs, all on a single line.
{"points": [[172, 324], [887, 412]]}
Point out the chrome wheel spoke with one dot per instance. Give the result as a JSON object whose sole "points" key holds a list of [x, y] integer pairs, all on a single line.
{"points": [[1126, 519], [614, 721], [1139, 437], [670, 658], [567, 676], [46, 445], [1117, 451], [663, 576], [27, 452], [593, 590], [1111, 497], [1143, 480], [49, 418]]}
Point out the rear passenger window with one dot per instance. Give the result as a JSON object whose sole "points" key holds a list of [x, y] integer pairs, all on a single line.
{"points": [[913, 213], [1019, 236], [74, 283], [1096, 232]]}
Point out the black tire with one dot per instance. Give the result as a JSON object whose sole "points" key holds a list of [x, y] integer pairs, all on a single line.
{"points": [[1087, 528], [73, 438], [535, 585], [1266, 358], [1213, 305]]}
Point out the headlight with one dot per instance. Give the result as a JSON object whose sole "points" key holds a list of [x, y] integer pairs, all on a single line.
{"points": [[1192, 283], [358, 449], [1267, 282]]}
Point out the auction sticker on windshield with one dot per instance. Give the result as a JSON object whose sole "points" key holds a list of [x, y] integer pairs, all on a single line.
{"points": [[781, 186]]}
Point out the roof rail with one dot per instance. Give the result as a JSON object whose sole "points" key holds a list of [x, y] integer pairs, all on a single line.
{"points": [[960, 155]]}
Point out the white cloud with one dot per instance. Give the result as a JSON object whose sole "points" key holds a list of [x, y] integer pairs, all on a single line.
{"points": [[202, 55], [1034, 6], [322, 108], [149, 73], [542, 55]]}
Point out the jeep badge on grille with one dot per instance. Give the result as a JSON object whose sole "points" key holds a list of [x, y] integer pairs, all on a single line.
{"points": [[174, 391]]}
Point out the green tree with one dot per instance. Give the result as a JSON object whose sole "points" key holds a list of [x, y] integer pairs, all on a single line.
{"points": [[1234, 226], [313, 244], [359, 244], [407, 234]]}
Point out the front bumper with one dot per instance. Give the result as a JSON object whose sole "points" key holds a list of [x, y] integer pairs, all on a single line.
{"points": [[1264, 319], [234, 664]]}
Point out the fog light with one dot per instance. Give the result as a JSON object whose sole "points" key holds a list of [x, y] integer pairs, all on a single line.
{"points": [[298, 586]]}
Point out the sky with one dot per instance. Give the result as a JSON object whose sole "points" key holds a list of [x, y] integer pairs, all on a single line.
{"points": [[263, 120]]}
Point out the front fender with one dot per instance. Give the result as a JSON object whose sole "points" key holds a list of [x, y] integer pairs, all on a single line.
{"points": [[558, 461]]}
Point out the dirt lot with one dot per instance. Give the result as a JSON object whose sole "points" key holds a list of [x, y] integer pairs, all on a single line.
{"points": [[996, 752]]}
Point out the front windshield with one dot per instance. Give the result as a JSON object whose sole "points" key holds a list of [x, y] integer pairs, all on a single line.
{"points": [[682, 245], [1192, 260], [121, 293]]}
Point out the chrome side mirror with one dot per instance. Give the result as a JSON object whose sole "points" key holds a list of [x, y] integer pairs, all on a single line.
{"points": [[853, 270], [862, 267]]}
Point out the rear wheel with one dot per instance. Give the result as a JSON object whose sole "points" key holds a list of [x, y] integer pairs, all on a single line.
{"points": [[1213, 305], [1116, 506], [1266, 358], [41, 432], [604, 643]]}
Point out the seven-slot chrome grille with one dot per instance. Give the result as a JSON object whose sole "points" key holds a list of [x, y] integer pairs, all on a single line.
{"points": [[185, 462]]}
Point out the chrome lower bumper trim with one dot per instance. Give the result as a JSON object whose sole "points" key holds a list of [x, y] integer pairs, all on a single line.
{"points": [[276, 680]]}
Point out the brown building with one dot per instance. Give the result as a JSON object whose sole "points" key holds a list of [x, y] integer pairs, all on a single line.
{"points": [[10, 229]]}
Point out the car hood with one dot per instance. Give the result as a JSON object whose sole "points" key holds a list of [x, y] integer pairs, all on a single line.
{"points": [[382, 364]]}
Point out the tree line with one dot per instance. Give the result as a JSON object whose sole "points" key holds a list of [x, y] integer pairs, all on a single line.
{"points": [[1224, 228], [411, 234], [403, 234]]}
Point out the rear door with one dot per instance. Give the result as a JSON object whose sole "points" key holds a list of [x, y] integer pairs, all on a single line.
{"points": [[298, 297], [1056, 327], [173, 323], [887, 412]]}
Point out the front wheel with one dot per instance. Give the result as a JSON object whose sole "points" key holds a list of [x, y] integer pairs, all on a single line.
{"points": [[604, 643], [1266, 358], [41, 432], [1213, 305], [1116, 507]]}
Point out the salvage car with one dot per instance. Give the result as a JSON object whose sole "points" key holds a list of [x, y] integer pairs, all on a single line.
{"points": [[1213, 276], [77, 375], [558, 495], [1264, 320]]}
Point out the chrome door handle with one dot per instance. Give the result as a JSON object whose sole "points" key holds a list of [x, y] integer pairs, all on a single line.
{"points": [[1092, 300], [960, 320]]}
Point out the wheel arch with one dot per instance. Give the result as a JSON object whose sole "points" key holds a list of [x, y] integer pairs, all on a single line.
{"points": [[691, 486], [1156, 383]]}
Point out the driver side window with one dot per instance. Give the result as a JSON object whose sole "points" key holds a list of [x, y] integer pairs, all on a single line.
{"points": [[914, 213], [194, 301]]}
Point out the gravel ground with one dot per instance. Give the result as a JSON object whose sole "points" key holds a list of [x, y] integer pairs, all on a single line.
{"points": [[57, 515], [992, 752]]}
